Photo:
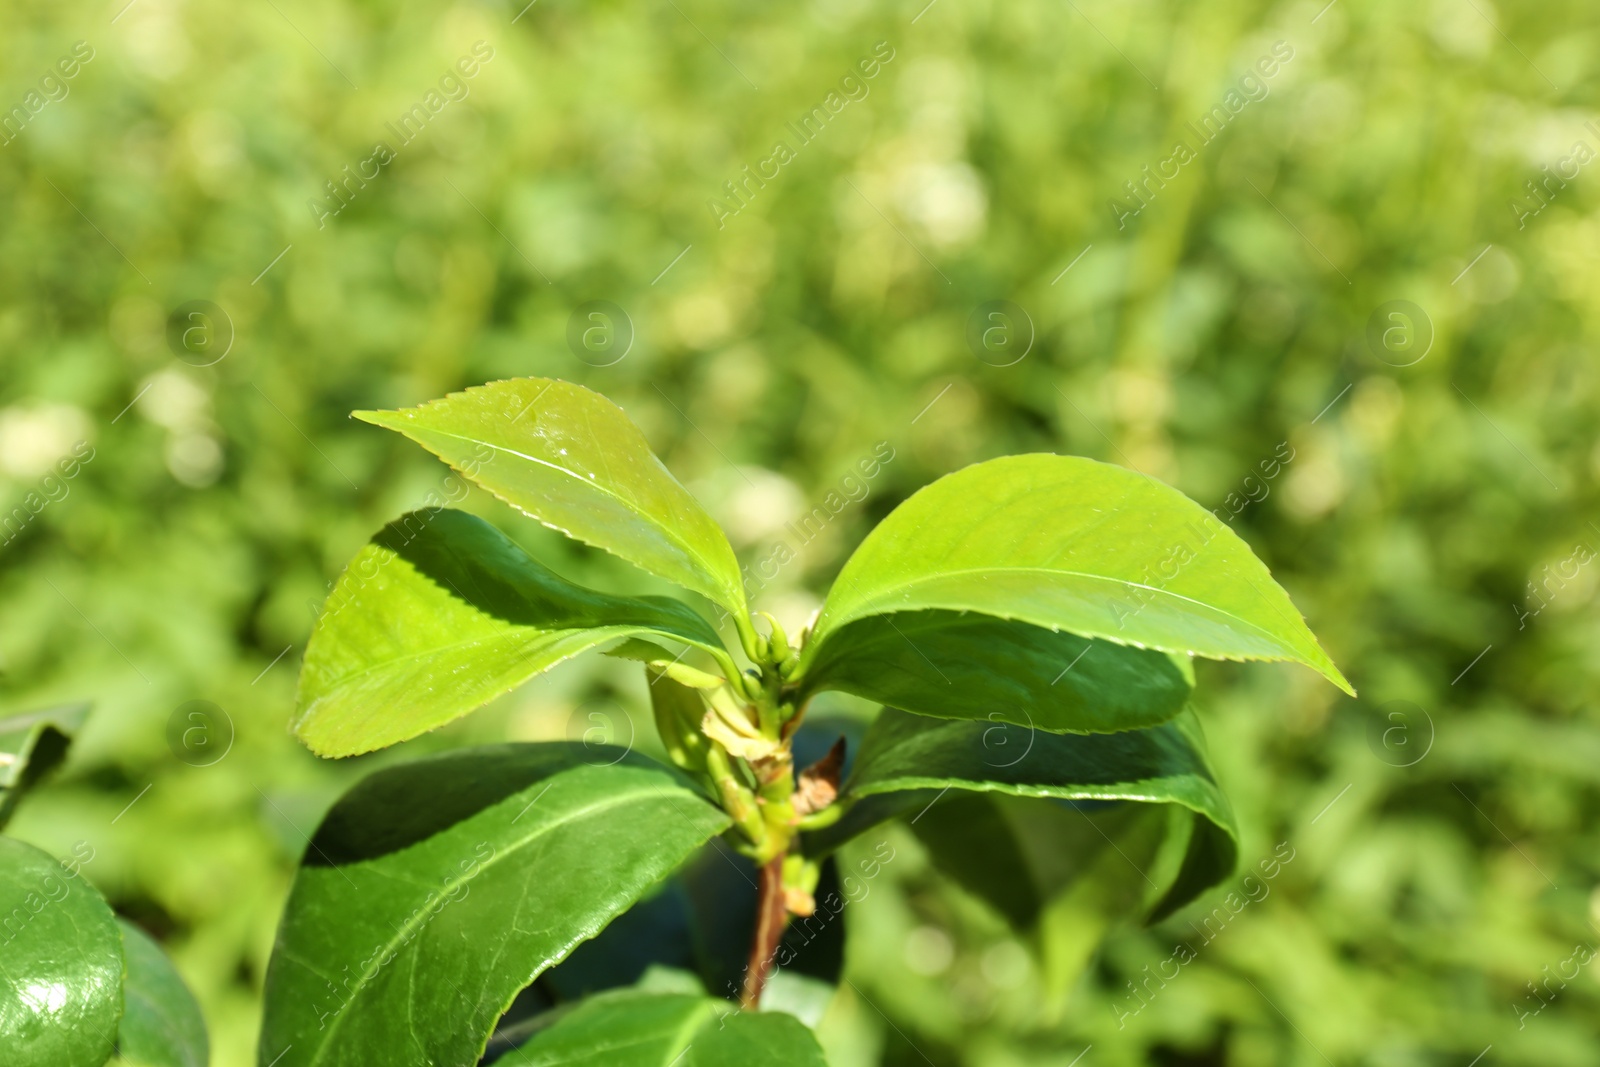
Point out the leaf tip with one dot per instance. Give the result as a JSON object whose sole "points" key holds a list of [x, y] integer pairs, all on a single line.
{"points": [[1323, 664], [322, 742], [380, 417]]}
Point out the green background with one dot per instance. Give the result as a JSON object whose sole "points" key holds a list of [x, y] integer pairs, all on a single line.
{"points": [[1445, 849]]}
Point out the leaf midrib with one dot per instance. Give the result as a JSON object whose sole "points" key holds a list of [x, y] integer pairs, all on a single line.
{"points": [[684, 1035], [903, 783], [1221, 815], [403, 933]]}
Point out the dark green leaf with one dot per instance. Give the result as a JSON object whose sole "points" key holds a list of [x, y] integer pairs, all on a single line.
{"points": [[60, 964], [441, 613], [31, 745], [1057, 873], [631, 1029], [968, 838], [1212, 855], [572, 459], [435, 890], [1018, 853], [698, 923], [1068, 543], [972, 666], [161, 1023], [907, 760]]}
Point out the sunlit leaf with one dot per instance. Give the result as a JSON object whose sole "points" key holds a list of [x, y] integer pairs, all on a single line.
{"points": [[572, 459], [441, 613], [1072, 544]]}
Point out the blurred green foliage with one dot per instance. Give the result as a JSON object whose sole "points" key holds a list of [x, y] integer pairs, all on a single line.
{"points": [[1446, 849]]}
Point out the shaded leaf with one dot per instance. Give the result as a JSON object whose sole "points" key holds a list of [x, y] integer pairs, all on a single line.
{"points": [[1058, 874], [161, 1022], [1069, 543], [907, 760], [572, 459], [631, 1029], [439, 614], [435, 890], [721, 892], [31, 746], [60, 964], [972, 666], [697, 924]]}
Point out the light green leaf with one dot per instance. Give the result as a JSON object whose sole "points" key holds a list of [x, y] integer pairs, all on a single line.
{"points": [[60, 964], [439, 614], [632, 1029], [1072, 544], [573, 460], [678, 711], [161, 1023], [907, 760], [435, 890], [972, 666], [32, 745]]}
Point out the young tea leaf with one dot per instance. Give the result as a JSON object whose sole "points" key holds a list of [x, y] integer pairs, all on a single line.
{"points": [[971, 666], [439, 614], [573, 460], [1072, 544], [435, 890], [60, 964], [161, 1023]]}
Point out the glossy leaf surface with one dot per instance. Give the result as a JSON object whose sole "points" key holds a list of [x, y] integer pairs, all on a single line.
{"points": [[60, 964], [1069, 543], [31, 745], [441, 613], [434, 891], [657, 1030], [572, 459], [161, 1022], [907, 759], [973, 666]]}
